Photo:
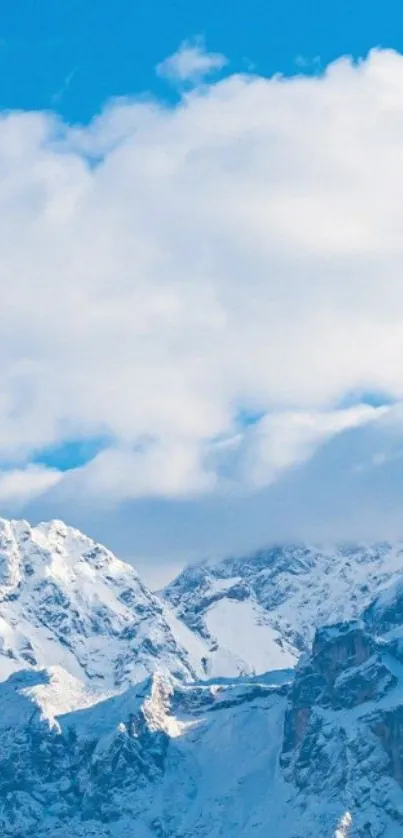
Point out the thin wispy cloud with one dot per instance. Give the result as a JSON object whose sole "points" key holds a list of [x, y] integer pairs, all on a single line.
{"points": [[58, 95], [191, 63]]}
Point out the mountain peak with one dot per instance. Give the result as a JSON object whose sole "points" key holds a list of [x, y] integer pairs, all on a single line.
{"points": [[66, 599]]}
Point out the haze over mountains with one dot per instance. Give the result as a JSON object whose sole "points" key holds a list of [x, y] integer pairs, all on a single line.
{"points": [[182, 713]]}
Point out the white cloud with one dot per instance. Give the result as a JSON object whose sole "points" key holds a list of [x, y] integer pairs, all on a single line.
{"points": [[257, 457], [164, 268], [120, 473], [20, 486], [191, 63]]}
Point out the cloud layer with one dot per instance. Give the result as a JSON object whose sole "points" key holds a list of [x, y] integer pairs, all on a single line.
{"points": [[168, 272]]}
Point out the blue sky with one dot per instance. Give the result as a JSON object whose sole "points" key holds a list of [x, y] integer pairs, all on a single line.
{"points": [[201, 281], [72, 56]]}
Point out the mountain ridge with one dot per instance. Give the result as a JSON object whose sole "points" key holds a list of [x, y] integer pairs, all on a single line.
{"points": [[278, 595]]}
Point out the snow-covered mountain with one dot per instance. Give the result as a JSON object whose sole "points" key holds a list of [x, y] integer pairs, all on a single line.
{"points": [[124, 713], [320, 755], [67, 601], [260, 612]]}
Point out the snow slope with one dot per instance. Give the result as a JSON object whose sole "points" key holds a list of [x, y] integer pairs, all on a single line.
{"points": [[162, 759], [260, 612], [239, 625]]}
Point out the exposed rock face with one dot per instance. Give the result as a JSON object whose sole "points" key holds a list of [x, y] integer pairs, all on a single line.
{"points": [[343, 730], [389, 730]]}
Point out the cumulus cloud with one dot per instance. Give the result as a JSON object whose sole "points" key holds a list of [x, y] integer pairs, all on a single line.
{"points": [[191, 63], [165, 269]]}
